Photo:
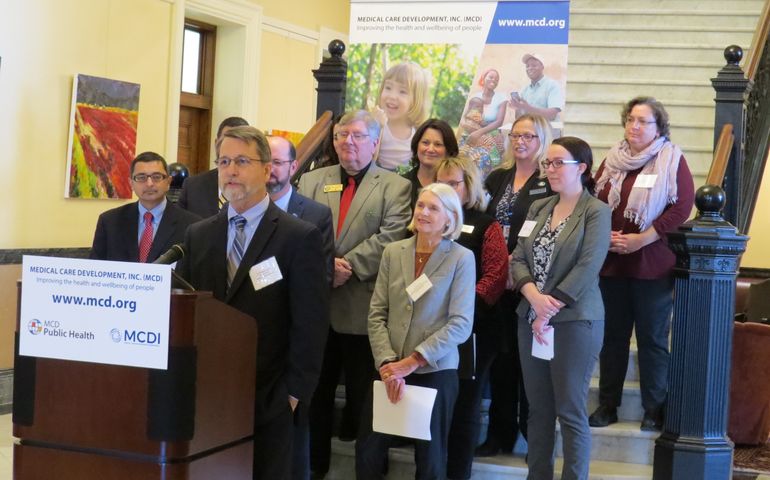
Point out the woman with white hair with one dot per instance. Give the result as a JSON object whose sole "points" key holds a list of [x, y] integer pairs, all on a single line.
{"points": [[414, 337]]}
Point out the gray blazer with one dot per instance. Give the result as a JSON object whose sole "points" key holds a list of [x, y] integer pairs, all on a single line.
{"points": [[377, 216], [438, 321], [577, 258]]}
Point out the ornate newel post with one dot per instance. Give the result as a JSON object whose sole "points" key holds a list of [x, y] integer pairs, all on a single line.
{"points": [[332, 79], [694, 443], [732, 89]]}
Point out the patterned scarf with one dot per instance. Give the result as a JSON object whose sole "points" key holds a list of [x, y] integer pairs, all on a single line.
{"points": [[660, 158]]}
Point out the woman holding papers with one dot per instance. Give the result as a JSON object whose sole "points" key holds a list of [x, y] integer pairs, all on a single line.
{"points": [[421, 310], [555, 266]]}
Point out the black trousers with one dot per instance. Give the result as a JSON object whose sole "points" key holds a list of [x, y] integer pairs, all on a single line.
{"points": [[429, 456], [466, 420], [645, 305], [273, 443], [508, 408], [351, 354]]}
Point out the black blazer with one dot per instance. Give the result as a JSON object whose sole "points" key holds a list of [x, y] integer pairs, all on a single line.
{"points": [[200, 194], [319, 215], [117, 233], [291, 314], [534, 189]]}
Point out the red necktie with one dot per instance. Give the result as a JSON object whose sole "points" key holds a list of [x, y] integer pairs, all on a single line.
{"points": [[146, 241], [345, 201]]}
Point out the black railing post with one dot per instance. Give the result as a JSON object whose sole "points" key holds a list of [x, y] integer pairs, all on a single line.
{"points": [[732, 88], [694, 442], [332, 80]]}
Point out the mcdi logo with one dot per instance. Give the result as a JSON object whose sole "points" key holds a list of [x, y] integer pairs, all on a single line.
{"points": [[135, 337]]}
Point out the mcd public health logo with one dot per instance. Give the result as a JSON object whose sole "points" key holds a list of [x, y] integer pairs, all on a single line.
{"points": [[35, 326]]}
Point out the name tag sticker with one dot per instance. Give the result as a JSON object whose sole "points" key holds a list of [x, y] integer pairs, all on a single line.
{"points": [[645, 181], [526, 229], [265, 273], [337, 187], [537, 191], [467, 229], [418, 288]]}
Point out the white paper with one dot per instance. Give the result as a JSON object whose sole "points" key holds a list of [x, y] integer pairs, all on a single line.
{"points": [[418, 288], [265, 273], [410, 417], [645, 181], [527, 227], [467, 229], [543, 351]]}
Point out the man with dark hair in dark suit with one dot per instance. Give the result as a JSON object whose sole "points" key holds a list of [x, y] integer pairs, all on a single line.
{"points": [[270, 265], [143, 230], [200, 193], [288, 199]]}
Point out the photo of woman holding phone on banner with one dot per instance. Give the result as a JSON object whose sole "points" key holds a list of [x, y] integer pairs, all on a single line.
{"points": [[555, 266], [421, 310]]}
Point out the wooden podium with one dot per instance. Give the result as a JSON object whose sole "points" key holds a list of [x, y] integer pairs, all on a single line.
{"points": [[78, 420]]}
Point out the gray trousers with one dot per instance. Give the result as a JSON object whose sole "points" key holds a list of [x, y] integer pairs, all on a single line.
{"points": [[559, 389]]}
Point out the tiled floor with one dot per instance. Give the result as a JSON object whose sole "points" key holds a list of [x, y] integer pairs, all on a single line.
{"points": [[6, 448]]}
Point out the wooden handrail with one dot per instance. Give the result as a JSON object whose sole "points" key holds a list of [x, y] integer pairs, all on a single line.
{"points": [[721, 156], [758, 42], [312, 142]]}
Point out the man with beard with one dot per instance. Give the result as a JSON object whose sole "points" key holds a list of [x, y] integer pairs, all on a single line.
{"points": [[286, 197], [269, 265], [143, 230]]}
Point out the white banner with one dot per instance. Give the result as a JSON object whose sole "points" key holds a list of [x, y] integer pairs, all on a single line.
{"points": [[95, 311]]}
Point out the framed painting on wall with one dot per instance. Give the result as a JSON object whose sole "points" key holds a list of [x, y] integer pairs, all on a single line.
{"points": [[102, 137]]}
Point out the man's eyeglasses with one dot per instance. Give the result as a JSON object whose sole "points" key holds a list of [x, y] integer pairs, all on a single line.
{"points": [[526, 136], [142, 177], [343, 136], [240, 161], [556, 164], [642, 122], [280, 163]]}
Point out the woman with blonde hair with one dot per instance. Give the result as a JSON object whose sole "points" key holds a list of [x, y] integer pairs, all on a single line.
{"points": [[513, 187], [414, 337], [482, 235]]}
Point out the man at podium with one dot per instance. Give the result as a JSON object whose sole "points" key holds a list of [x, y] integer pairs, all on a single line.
{"points": [[270, 265]]}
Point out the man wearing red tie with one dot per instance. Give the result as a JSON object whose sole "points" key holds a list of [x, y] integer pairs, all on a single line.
{"points": [[370, 208], [143, 230]]}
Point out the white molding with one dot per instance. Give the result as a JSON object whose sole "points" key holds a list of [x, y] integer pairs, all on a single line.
{"points": [[290, 30], [225, 12]]}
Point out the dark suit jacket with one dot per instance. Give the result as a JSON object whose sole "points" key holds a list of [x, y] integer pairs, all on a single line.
{"points": [[291, 314], [534, 189], [117, 233], [319, 215], [200, 194]]}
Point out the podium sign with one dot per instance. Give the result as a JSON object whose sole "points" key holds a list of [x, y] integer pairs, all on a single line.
{"points": [[95, 311]]}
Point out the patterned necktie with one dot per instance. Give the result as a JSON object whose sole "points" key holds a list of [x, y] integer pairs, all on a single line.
{"points": [[345, 201], [145, 243], [235, 255]]}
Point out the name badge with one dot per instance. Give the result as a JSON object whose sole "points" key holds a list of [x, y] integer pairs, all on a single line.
{"points": [[645, 181], [467, 229], [418, 288], [337, 187], [526, 229], [265, 273], [537, 191]]}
